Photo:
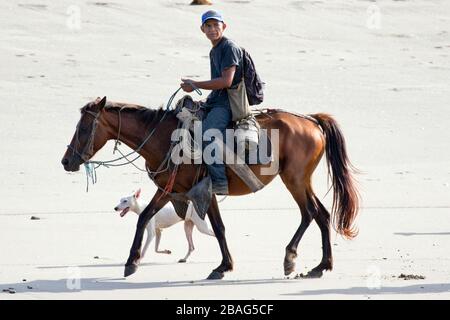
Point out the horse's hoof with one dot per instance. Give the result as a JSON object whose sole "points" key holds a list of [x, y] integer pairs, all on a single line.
{"points": [[215, 275], [130, 269], [182, 261], [168, 252], [289, 267], [313, 274]]}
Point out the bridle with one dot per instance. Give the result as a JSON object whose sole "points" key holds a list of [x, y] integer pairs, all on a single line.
{"points": [[88, 149]]}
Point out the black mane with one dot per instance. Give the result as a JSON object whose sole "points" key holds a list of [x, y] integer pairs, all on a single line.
{"points": [[146, 115]]}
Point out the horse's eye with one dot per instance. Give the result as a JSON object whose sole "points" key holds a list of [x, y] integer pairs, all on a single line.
{"points": [[125, 201]]}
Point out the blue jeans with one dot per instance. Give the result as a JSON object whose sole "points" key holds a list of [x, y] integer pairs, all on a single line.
{"points": [[218, 118]]}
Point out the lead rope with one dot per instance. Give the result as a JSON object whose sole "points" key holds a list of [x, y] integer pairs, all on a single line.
{"points": [[90, 173], [117, 142], [91, 166]]}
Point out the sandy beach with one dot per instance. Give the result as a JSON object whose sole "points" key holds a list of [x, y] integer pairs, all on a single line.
{"points": [[381, 68]]}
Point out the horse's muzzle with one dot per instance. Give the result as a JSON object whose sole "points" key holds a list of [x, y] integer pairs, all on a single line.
{"points": [[65, 162], [70, 166]]}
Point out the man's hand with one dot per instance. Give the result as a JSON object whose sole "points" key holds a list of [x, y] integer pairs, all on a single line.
{"points": [[223, 82], [186, 85]]}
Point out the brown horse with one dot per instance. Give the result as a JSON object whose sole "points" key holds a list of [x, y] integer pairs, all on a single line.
{"points": [[302, 142]]}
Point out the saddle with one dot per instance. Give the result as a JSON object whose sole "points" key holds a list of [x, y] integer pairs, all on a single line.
{"points": [[187, 111], [196, 109]]}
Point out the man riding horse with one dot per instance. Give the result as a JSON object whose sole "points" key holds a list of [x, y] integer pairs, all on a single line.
{"points": [[302, 142], [226, 60]]}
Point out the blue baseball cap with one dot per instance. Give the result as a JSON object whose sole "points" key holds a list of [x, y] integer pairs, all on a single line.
{"points": [[212, 14]]}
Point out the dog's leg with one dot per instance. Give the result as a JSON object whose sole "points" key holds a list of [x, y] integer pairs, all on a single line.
{"points": [[158, 238], [150, 235], [201, 225], [188, 227]]}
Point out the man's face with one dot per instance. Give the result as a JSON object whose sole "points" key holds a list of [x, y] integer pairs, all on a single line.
{"points": [[213, 29]]}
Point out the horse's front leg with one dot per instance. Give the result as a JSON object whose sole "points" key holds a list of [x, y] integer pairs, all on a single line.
{"points": [[219, 231], [158, 201]]}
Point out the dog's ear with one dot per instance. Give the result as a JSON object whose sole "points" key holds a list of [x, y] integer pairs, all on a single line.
{"points": [[137, 193]]}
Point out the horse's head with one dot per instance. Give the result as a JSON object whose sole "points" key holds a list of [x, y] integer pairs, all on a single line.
{"points": [[89, 136]]}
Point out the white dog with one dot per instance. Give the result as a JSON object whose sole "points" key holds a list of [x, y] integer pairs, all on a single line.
{"points": [[164, 218]]}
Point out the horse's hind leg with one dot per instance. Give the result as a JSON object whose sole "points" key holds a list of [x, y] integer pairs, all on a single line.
{"points": [[299, 192], [322, 217], [219, 231]]}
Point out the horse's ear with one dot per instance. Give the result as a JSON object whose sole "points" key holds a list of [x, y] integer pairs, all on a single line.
{"points": [[137, 193], [101, 103]]}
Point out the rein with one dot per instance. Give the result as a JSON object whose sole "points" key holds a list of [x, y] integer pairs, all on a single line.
{"points": [[91, 166]]}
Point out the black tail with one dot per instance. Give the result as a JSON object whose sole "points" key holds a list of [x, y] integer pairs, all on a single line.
{"points": [[345, 196]]}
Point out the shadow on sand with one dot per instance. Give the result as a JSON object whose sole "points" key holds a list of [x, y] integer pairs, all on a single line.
{"points": [[402, 290], [107, 284], [407, 234], [112, 265]]}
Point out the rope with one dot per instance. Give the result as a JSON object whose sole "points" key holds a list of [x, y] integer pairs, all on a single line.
{"points": [[90, 173], [187, 143], [91, 166], [117, 142]]}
